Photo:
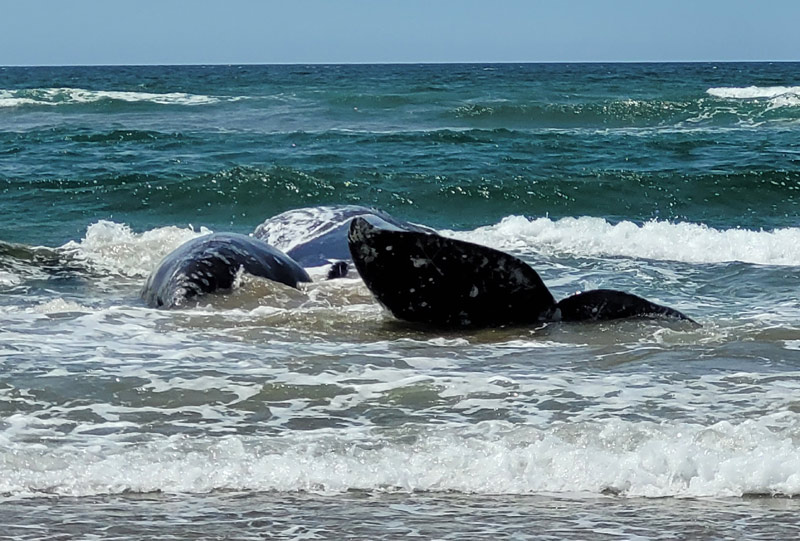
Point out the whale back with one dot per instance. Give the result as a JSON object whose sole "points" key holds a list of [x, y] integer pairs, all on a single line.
{"points": [[210, 263], [426, 278], [317, 235]]}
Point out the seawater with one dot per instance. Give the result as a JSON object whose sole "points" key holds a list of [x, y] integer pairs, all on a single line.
{"points": [[295, 414]]}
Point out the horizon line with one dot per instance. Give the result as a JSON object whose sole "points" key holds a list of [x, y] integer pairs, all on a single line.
{"points": [[398, 63]]}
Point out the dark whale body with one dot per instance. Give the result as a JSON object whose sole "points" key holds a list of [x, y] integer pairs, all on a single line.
{"points": [[316, 236], [209, 263], [426, 278], [604, 304], [312, 236]]}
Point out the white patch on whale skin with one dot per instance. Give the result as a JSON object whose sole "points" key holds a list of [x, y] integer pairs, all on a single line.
{"points": [[518, 277], [368, 254]]}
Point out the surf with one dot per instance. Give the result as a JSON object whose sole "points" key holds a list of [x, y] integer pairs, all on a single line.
{"points": [[77, 96]]}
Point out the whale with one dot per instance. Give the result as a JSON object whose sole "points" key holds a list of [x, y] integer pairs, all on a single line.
{"points": [[316, 236], [280, 249], [211, 262], [423, 277]]}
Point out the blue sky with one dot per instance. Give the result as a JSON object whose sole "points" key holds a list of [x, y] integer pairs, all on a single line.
{"points": [[38, 32]]}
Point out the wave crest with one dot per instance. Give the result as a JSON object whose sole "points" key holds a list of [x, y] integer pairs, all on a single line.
{"points": [[631, 459], [778, 96], [76, 96], [659, 240], [116, 248]]}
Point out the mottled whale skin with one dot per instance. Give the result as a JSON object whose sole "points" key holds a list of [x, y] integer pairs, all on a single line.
{"points": [[211, 262], [604, 304], [426, 278], [316, 236], [312, 236]]}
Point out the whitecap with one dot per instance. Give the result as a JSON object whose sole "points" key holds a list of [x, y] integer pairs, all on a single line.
{"points": [[752, 92], [58, 306], [118, 249], [67, 96], [9, 279], [658, 240], [777, 96], [631, 459]]}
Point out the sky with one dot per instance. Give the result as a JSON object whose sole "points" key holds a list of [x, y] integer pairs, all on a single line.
{"points": [[95, 32]]}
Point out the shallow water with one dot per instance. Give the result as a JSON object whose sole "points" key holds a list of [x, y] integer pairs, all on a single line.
{"points": [[369, 515], [312, 413]]}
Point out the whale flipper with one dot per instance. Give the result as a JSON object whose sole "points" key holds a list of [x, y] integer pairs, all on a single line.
{"points": [[339, 269], [606, 304], [315, 236], [426, 278], [206, 264]]}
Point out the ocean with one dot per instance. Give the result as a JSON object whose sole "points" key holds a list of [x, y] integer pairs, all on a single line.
{"points": [[270, 412]]}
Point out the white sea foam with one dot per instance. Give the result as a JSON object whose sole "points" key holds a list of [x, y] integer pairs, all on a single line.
{"points": [[778, 96], [58, 306], [9, 279], [751, 92], [116, 248], [244, 412], [630, 458], [660, 240], [64, 96]]}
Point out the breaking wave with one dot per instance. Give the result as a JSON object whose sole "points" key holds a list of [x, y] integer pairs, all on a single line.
{"points": [[73, 96], [660, 240], [118, 249], [618, 457], [778, 96]]}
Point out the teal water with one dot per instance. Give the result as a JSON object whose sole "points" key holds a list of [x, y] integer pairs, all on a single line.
{"points": [[273, 412], [455, 146]]}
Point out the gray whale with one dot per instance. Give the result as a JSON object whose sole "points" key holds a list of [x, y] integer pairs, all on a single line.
{"points": [[315, 236], [210, 263], [278, 250]]}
